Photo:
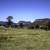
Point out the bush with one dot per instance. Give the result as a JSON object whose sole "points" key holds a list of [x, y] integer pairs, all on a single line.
{"points": [[21, 25], [37, 26], [31, 27], [44, 27]]}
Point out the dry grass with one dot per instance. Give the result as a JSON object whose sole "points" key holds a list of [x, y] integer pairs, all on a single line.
{"points": [[24, 39]]}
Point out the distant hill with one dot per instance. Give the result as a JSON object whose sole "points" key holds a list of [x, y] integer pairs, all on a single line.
{"points": [[41, 21], [25, 22], [38, 22], [3, 23]]}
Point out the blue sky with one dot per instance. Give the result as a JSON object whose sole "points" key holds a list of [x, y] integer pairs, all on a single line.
{"points": [[27, 10]]}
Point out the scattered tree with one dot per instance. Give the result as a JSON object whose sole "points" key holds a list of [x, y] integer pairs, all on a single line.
{"points": [[21, 25], [9, 18], [37, 26], [48, 25]]}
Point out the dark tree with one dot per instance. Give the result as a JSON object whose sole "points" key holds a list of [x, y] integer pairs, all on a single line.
{"points": [[31, 27], [37, 26], [21, 25], [9, 18], [48, 25]]}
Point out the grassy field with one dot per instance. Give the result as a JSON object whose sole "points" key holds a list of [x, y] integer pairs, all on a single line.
{"points": [[24, 39]]}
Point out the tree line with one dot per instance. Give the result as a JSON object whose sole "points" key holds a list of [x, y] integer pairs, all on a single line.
{"points": [[44, 24]]}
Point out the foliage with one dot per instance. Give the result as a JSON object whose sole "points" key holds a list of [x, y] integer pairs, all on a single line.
{"points": [[48, 25], [37, 26], [21, 25], [30, 27], [9, 18]]}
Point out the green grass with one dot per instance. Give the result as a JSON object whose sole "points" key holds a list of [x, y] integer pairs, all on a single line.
{"points": [[24, 39]]}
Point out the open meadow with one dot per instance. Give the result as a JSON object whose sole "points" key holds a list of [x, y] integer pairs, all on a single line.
{"points": [[24, 39]]}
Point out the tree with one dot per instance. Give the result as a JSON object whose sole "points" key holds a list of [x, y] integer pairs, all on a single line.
{"points": [[37, 26], [21, 25], [48, 25], [9, 18]]}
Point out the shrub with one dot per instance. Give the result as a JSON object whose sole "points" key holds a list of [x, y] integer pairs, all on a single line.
{"points": [[36, 26], [31, 27], [21, 25], [44, 27]]}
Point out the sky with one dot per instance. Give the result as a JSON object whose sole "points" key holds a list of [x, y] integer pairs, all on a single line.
{"points": [[27, 10]]}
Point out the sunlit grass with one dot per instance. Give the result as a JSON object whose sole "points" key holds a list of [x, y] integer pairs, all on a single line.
{"points": [[24, 39]]}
